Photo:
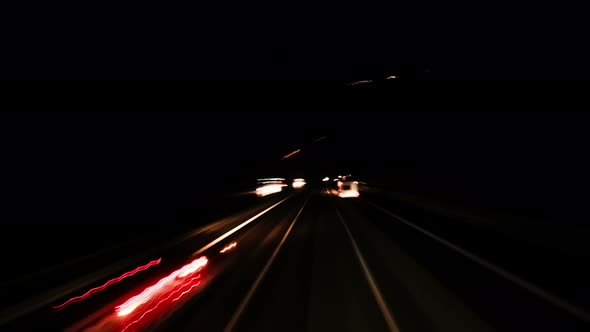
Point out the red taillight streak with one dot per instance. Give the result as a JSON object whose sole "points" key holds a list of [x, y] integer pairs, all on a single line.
{"points": [[107, 284], [130, 305], [186, 291], [176, 290]]}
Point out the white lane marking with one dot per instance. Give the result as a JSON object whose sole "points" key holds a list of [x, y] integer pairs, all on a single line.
{"points": [[235, 229], [232, 322], [53, 295], [372, 283], [536, 290]]}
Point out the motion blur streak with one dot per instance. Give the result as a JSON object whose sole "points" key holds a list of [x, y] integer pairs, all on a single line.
{"points": [[186, 291], [235, 229], [291, 154], [107, 284], [130, 305], [298, 183], [581, 313], [269, 189], [319, 139], [175, 291], [236, 316], [383, 307], [192, 267], [229, 247]]}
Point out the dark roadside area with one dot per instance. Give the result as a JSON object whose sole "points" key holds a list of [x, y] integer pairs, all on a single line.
{"points": [[83, 189], [62, 260], [507, 187], [53, 237], [534, 250]]}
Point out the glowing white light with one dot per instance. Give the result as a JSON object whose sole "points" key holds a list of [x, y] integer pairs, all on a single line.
{"points": [[269, 189], [345, 194], [298, 183]]}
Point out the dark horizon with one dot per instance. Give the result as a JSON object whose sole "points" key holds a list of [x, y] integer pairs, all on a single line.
{"points": [[531, 157]]}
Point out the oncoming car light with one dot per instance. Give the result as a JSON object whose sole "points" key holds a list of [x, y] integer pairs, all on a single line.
{"points": [[348, 189], [298, 183], [267, 186], [269, 189]]}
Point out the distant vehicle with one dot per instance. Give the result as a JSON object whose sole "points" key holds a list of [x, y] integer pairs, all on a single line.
{"points": [[348, 189], [267, 186], [298, 183]]}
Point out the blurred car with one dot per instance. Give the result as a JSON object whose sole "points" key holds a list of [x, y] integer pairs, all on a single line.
{"points": [[348, 189], [298, 183], [267, 186]]}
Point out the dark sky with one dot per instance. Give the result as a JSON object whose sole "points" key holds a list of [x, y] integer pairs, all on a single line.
{"points": [[293, 40], [120, 153], [125, 159]]}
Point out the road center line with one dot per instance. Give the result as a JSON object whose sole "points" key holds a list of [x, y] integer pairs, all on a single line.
{"points": [[372, 284], [235, 229], [232, 322], [535, 290]]}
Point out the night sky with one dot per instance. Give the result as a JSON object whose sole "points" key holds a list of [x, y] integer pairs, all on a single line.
{"points": [[133, 158], [303, 40]]}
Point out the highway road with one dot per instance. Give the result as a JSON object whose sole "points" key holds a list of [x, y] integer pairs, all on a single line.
{"points": [[309, 261]]}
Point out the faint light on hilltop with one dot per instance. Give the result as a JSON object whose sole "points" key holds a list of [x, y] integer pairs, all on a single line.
{"points": [[291, 154]]}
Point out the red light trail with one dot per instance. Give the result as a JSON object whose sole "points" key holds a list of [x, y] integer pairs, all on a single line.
{"points": [[130, 305], [176, 290], [107, 284]]}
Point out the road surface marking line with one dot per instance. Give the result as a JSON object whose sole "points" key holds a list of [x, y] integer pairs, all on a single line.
{"points": [[372, 283], [536, 290], [232, 322], [235, 229], [44, 299]]}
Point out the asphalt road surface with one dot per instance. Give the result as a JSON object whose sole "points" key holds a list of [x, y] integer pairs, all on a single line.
{"points": [[308, 261]]}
